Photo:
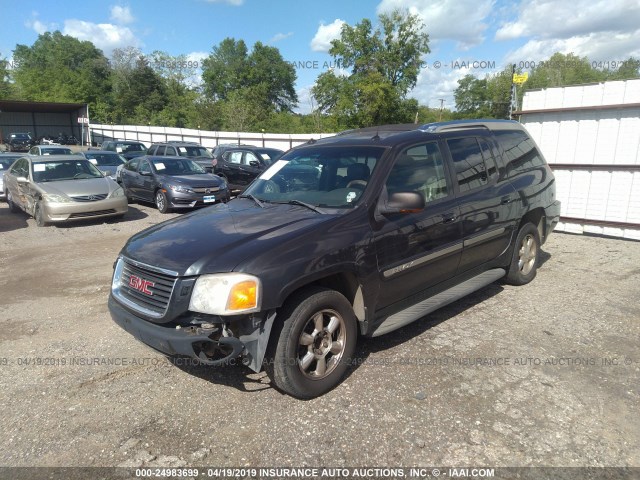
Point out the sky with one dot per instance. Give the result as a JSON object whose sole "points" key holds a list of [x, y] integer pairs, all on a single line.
{"points": [[466, 36]]}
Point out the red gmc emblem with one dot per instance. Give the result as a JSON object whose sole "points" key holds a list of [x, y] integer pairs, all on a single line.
{"points": [[141, 284]]}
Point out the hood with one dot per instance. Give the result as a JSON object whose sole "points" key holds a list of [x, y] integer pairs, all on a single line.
{"points": [[200, 180], [130, 155], [218, 238], [74, 188]]}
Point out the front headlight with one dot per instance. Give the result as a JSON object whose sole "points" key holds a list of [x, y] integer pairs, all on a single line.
{"points": [[118, 192], [55, 198], [226, 294], [181, 189], [223, 185]]}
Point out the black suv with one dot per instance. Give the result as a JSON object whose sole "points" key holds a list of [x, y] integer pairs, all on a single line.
{"points": [[192, 150], [127, 148], [241, 165], [354, 235], [20, 142]]}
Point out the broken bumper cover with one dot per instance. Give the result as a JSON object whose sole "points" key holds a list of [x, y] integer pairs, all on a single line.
{"points": [[176, 342]]}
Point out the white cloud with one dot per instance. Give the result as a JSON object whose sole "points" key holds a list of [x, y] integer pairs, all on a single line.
{"points": [[559, 19], [598, 47], [38, 26], [121, 15], [280, 36], [321, 42], [235, 3], [435, 84], [602, 30], [459, 20], [105, 36], [196, 58]]}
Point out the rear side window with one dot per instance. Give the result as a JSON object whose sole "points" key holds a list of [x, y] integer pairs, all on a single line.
{"points": [[469, 163], [520, 152]]}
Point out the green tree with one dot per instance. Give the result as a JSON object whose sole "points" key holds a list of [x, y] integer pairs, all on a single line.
{"points": [[60, 68], [231, 68], [139, 93], [6, 87], [383, 67]]}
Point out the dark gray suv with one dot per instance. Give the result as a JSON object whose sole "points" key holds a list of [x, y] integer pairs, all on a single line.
{"points": [[350, 236], [191, 150]]}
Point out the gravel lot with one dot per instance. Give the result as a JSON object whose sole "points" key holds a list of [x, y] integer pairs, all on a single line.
{"points": [[542, 375]]}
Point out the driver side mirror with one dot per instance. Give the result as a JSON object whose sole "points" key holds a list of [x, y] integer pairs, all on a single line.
{"points": [[146, 173], [254, 163], [22, 180], [403, 202]]}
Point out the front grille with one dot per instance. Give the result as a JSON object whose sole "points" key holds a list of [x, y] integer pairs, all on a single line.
{"points": [[89, 198], [204, 189], [92, 214], [160, 287]]}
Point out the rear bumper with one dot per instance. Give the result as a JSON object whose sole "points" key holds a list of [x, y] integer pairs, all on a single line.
{"points": [[552, 215]]}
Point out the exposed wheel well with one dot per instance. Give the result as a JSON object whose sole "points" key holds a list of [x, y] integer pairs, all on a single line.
{"points": [[536, 217], [345, 283]]}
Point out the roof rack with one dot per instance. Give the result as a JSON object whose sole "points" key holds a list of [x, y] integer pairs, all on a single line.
{"points": [[489, 124]]}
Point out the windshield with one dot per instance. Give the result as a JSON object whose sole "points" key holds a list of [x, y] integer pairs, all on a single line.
{"points": [[64, 170], [269, 155], [322, 176], [5, 163], [175, 166], [105, 159], [195, 151], [130, 147], [55, 151]]}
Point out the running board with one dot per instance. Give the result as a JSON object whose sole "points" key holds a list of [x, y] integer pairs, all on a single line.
{"points": [[419, 310]]}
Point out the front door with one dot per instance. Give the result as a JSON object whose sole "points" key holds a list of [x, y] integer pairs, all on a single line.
{"points": [[418, 250]]}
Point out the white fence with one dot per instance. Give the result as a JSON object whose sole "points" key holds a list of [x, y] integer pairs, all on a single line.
{"points": [[149, 135], [590, 135]]}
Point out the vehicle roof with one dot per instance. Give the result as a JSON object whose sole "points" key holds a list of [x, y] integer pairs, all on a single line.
{"points": [[390, 135], [123, 141], [55, 158], [178, 143], [253, 147]]}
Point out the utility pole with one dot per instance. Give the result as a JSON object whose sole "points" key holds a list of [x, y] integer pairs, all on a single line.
{"points": [[441, 108], [514, 97]]}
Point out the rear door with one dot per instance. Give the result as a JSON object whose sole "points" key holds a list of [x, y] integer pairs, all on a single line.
{"points": [[487, 217], [418, 250], [232, 166]]}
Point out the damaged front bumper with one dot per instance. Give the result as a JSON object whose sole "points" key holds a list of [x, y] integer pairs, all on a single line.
{"points": [[210, 344]]}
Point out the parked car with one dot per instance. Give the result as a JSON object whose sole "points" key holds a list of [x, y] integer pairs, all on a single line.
{"points": [[192, 150], [6, 160], [107, 162], [19, 142], [241, 165], [172, 183], [58, 188], [380, 227], [50, 150], [219, 149], [127, 148]]}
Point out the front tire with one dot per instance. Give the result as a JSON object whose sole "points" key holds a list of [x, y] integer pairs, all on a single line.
{"points": [[13, 208], [525, 259], [311, 348], [38, 216], [161, 202]]}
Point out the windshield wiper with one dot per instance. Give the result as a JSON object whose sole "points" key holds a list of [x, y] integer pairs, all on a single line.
{"points": [[302, 204], [251, 197]]}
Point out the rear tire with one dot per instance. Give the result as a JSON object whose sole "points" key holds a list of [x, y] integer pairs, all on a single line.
{"points": [[525, 258], [311, 348]]}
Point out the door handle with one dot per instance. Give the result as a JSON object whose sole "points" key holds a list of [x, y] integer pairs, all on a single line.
{"points": [[448, 218], [506, 199]]}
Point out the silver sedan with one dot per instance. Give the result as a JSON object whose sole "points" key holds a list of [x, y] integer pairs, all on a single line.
{"points": [[57, 188]]}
